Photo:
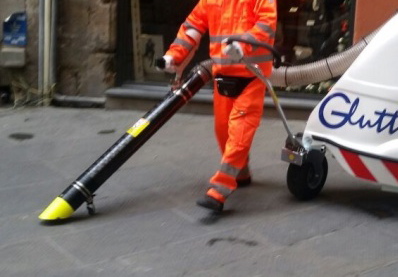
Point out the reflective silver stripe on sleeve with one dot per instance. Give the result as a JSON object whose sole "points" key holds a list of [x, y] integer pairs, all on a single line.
{"points": [[253, 59], [266, 28], [189, 25], [221, 189], [183, 43]]}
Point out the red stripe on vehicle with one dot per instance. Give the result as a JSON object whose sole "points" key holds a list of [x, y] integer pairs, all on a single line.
{"points": [[392, 167], [357, 166]]}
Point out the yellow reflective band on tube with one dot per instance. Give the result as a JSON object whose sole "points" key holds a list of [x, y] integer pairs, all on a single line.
{"points": [[58, 209], [138, 127]]}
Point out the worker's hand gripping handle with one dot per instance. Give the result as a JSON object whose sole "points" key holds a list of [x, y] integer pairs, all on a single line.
{"points": [[275, 53], [166, 64]]}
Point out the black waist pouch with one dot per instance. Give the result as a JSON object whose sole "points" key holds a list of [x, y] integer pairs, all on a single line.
{"points": [[232, 86]]}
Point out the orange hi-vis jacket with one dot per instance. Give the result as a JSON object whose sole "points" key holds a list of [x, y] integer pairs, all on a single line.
{"points": [[252, 19]]}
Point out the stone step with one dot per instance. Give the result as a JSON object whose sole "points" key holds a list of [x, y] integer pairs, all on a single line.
{"points": [[145, 96]]}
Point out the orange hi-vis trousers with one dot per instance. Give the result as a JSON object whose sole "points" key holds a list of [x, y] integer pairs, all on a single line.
{"points": [[236, 121]]}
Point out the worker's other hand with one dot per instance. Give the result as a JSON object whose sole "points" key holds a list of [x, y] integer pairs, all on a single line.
{"points": [[165, 63], [234, 51]]}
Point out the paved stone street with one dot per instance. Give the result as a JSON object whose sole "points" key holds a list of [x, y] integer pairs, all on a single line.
{"points": [[147, 223]]}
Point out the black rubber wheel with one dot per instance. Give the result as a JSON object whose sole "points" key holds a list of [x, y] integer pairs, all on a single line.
{"points": [[305, 182]]}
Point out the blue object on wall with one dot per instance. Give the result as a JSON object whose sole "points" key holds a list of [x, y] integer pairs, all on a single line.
{"points": [[15, 29]]}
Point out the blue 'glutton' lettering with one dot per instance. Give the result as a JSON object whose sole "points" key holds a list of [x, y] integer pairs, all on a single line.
{"points": [[382, 121]]}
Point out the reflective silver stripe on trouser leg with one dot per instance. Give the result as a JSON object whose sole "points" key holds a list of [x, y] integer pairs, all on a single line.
{"points": [[230, 170], [244, 172], [221, 189]]}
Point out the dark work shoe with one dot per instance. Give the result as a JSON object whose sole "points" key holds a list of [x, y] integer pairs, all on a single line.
{"points": [[210, 203], [244, 182]]}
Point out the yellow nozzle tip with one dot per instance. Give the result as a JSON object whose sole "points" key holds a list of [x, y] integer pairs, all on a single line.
{"points": [[58, 209]]}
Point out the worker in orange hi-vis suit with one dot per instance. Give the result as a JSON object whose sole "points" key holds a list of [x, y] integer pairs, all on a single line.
{"points": [[239, 95]]}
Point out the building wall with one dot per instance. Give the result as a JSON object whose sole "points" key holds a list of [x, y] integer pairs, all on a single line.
{"points": [[86, 46], [369, 15], [86, 35]]}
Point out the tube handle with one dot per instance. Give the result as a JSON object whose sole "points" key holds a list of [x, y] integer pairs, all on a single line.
{"points": [[160, 63]]}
